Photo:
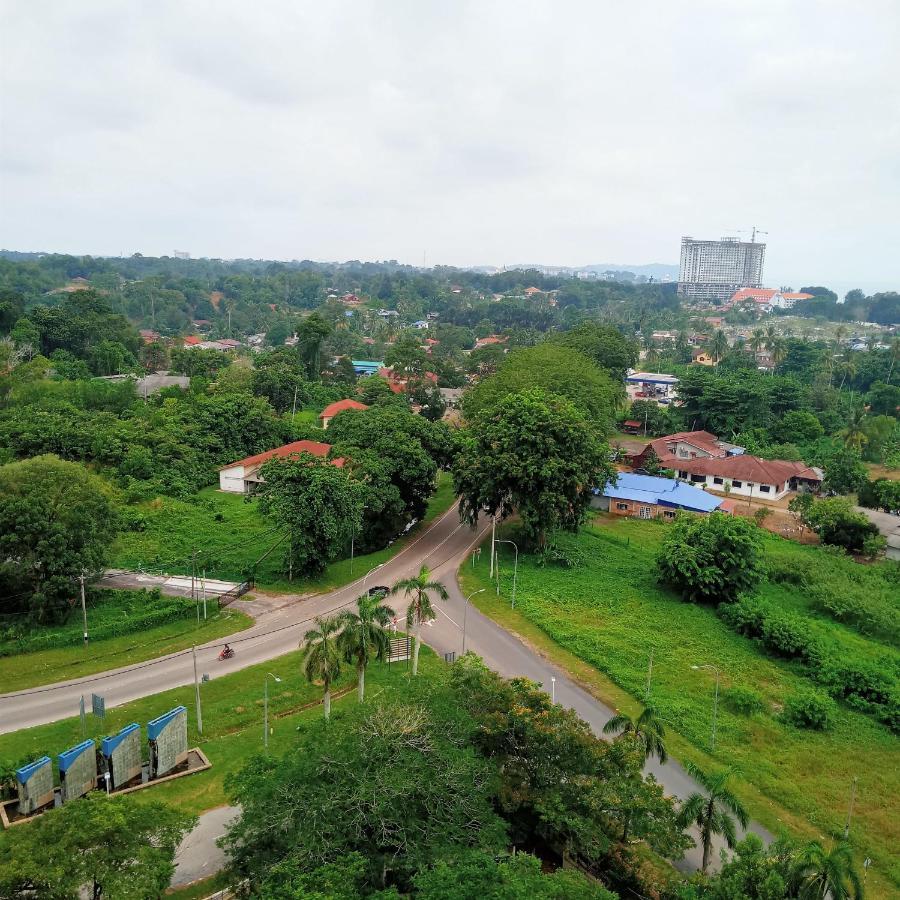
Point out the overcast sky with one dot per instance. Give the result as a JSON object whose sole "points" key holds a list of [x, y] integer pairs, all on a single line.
{"points": [[476, 133]]}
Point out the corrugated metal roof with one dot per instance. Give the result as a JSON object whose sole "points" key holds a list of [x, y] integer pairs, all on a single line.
{"points": [[663, 491]]}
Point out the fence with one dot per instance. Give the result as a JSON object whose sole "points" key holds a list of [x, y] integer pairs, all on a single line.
{"points": [[234, 593]]}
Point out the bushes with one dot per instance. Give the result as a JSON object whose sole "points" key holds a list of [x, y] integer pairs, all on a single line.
{"points": [[118, 612], [711, 559], [863, 685], [743, 700], [809, 709], [836, 523]]}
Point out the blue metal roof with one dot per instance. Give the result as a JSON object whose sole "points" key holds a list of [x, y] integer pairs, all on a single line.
{"points": [[67, 757], [108, 744], [155, 727], [23, 774], [663, 491]]}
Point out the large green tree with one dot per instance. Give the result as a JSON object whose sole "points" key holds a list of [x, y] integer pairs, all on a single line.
{"points": [[111, 847], [535, 454], [57, 521], [605, 345], [553, 369], [315, 505], [711, 559]]}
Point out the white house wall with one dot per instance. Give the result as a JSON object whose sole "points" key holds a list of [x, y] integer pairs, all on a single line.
{"points": [[775, 492], [232, 480]]}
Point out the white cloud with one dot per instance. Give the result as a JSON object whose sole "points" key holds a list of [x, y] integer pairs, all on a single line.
{"points": [[482, 132]]}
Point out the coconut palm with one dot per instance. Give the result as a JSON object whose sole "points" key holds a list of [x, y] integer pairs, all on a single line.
{"points": [[712, 811], [646, 728], [719, 345], [771, 336], [818, 874], [420, 609], [757, 340], [895, 355], [365, 636], [321, 655], [778, 350], [854, 433]]}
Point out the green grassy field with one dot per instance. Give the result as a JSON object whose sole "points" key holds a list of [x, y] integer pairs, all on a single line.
{"points": [[232, 722], [230, 535], [601, 621], [46, 666]]}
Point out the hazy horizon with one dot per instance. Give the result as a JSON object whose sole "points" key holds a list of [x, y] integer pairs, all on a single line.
{"points": [[467, 135]]}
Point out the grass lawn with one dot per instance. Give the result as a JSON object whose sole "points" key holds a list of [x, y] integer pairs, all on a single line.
{"points": [[230, 535], [232, 720], [46, 666], [602, 619]]}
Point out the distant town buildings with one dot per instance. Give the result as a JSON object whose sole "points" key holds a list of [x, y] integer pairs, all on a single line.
{"points": [[181, 254], [714, 270], [766, 299]]}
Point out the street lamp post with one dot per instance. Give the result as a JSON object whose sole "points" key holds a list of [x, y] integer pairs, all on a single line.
{"points": [[553, 689], [715, 703], [365, 577], [515, 571], [266, 707], [465, 615]]}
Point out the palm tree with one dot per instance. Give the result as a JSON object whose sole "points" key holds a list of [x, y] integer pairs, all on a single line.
{"points": [[817, 874], [321, 656], [420, 609], [778, 351], [757, 339], [771, 336], [712, 811], [719, 345], [895, 355], [365, 635], [854, 433], [647, 729]]}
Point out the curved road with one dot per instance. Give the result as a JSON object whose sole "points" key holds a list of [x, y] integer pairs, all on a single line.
{"points": [[442, 547]]}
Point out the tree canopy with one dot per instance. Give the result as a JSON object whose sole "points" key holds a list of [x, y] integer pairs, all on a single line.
{"points": [[532, 453]]}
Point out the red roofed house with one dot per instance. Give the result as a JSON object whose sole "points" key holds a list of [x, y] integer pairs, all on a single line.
{"points": [[191, 340], [333, 409], [701, 459], [766, 298], [242, 477], [488, 341]]}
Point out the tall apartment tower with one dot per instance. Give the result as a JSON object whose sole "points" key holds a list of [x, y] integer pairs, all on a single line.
{"points": [[714, 270]]}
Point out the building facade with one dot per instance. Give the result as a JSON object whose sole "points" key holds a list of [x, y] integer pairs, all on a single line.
{"points": [[714, 270]]}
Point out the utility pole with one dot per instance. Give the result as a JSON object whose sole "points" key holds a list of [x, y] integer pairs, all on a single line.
{"points": [[83, 608], [493, 532], [649, 675], [850, 810], [197, 693], [294, 407], [203, 591]]}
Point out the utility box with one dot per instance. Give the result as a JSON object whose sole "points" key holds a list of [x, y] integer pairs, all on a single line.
{"points": [[168, 741], [35, 785], [122, 755], [77, 770]]}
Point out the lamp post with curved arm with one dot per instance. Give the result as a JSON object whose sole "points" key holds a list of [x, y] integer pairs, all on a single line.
{"points": [[465, 616], [515, 572], [266, 707]]}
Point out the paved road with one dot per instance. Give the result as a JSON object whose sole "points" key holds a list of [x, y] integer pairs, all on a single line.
{"points": [[278, 630], [198, 856], [888, 525]]}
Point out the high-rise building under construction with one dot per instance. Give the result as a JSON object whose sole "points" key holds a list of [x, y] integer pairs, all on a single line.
{"points": [[714, 270]]}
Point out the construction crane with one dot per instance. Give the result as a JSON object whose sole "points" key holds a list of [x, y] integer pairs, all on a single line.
{"points": [[753, 233]]}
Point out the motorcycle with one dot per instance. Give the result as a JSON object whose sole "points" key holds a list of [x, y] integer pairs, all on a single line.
{"points": [[226, 653]]}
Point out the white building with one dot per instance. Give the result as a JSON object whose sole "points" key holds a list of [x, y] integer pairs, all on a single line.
{"points": [[714, 270], [242, 477], [651, 386]]}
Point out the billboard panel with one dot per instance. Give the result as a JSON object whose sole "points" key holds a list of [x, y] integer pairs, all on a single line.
{"points": [[122, 755], [35, 785], [77, 770], [168, 741]]}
